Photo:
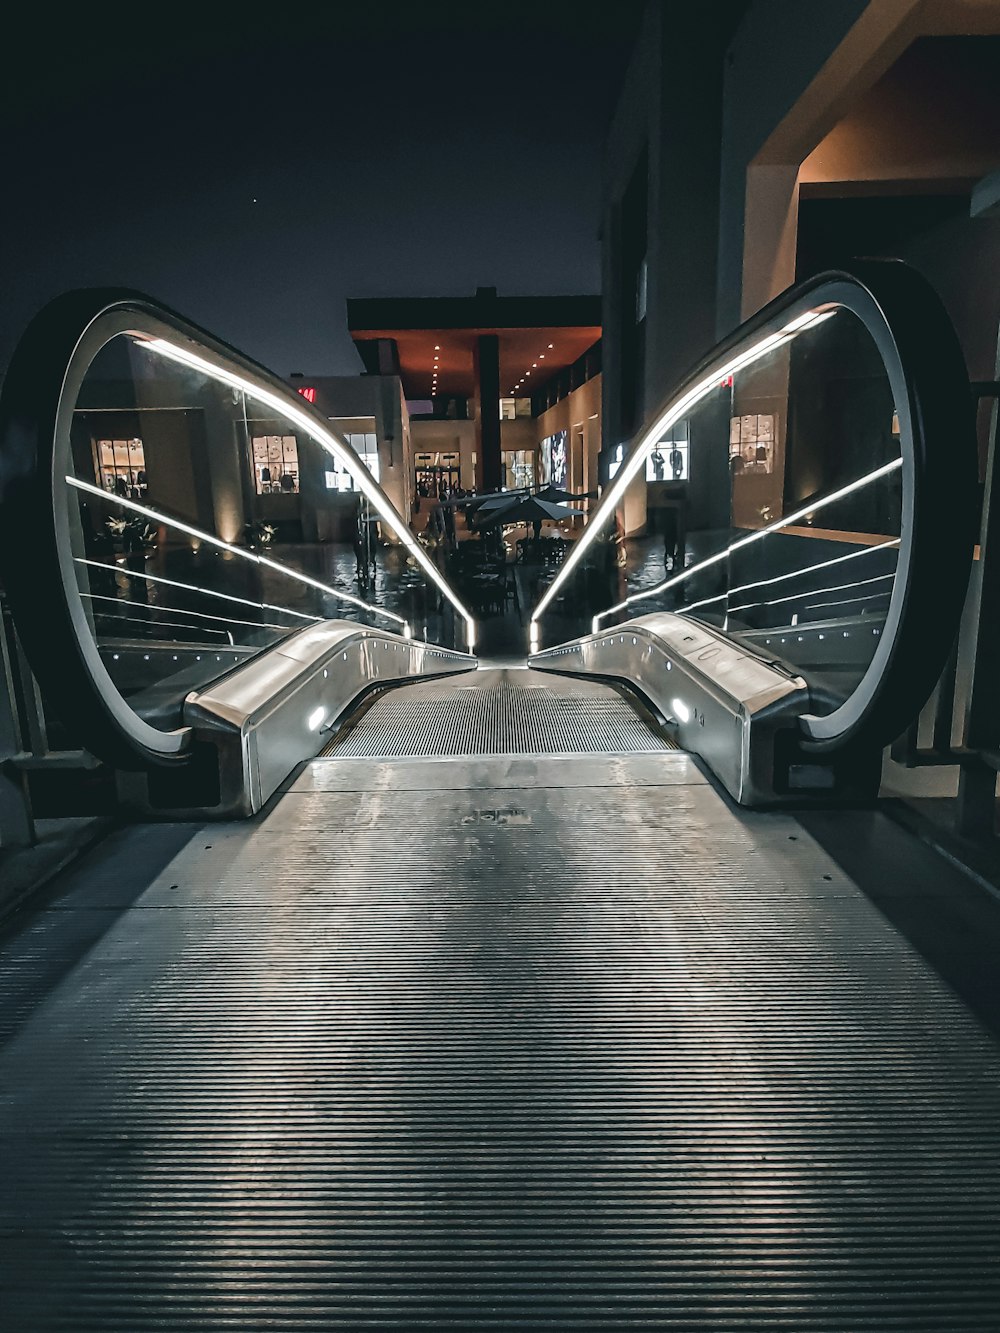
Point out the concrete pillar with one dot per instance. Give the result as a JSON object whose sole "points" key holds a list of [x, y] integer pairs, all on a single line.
{"points": [[486, 401], [633, 506]]}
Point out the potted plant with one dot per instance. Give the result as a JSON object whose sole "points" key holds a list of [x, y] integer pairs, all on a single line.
{"points": [[257, 534], [135, 534]]}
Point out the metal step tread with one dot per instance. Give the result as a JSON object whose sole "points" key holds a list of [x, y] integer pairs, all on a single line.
{"points": [[502, 713], [565, 1057]]}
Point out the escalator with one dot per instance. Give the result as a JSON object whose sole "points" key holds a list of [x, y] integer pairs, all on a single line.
{"points": [[805, 616], [185, 616], [498, 1013], [803, 621]]}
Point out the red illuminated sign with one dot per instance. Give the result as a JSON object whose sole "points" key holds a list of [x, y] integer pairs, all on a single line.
{"points": [[308, 393]]}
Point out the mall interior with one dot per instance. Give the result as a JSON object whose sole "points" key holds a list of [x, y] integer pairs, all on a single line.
{"points": [[508, 839]]}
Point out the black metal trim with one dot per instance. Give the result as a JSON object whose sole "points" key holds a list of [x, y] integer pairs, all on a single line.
{"points": [[943, 480], [29, 548]]}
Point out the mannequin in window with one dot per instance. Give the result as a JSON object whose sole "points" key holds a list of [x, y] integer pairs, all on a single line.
{"points": [[676, 463], [265, 478], [287, 481]]}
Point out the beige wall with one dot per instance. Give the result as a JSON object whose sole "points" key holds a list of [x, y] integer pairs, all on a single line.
{"points": [[579, 414], [800, 99], [518, 433]]}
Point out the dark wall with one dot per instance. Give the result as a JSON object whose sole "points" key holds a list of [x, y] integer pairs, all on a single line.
{"points": [[663, 154]]}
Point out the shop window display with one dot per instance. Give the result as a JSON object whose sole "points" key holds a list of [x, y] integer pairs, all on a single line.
{"points": [[751, 443], [276, 464], [121, 467], [555, 459], [669, 461], [519, 468]]}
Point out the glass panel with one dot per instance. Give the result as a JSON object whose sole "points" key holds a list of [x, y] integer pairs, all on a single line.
{"points": [[785, 532], [204, 529]]}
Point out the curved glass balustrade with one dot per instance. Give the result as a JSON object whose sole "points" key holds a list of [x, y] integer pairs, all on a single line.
{"points": [[826, 468], [200, 510]]}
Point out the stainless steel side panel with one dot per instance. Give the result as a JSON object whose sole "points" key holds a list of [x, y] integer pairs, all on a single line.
{"points": [[274, 712], [728, 705]]}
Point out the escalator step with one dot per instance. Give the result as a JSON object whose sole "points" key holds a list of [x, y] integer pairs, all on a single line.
{"points": [[498, 719]]}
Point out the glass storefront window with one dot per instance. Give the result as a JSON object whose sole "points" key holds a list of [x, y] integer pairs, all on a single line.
{"points": [[519, 468], [751, 443], [365, 445], [670, 459], [275, 464], [121, 467]]}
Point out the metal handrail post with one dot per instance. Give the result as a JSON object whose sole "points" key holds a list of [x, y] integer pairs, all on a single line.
{"points": [[976, 810], [17, 825]]}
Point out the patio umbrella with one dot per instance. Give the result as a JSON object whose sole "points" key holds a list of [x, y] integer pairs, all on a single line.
{"points": [[474, 502], [526, 509], [555, 493]]}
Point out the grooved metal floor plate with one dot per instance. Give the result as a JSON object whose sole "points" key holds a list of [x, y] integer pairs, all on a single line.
{"points": [[660, 768], [576, 1056], [499, 712]]}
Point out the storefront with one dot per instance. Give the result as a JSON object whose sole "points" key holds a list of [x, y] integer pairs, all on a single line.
{"points": [[434, 470]]}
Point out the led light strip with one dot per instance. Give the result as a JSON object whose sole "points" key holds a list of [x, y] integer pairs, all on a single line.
{"points": [[164, 624], [847, 601], [234, 550], [757, 536], [328, 441], [760, 583], [659, 428], [813, 592], [205, 592], [764, 583], [180, 611], [778, 578]]}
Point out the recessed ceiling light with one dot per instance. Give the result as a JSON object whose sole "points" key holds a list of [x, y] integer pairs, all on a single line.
{"points": [[534, 365], [541, 356], [437, 347], [550, 347]]}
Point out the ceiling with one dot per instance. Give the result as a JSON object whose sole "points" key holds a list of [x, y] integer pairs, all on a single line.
{"points": [[932, 122], [439, 362]]}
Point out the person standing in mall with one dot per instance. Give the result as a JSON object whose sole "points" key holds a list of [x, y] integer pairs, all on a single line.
{"points": [[448, 518]]}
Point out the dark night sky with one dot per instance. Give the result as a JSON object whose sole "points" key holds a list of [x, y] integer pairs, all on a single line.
{"points": [[255, 177]]}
